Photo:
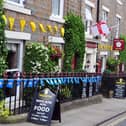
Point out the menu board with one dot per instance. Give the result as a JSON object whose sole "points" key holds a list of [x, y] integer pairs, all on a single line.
{"points": [[119, 89], [42, 107]]}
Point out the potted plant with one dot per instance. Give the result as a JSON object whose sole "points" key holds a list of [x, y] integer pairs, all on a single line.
{"points": [[112, 64]]}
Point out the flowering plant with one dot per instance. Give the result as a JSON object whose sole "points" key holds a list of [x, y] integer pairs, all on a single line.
{"points": [[37, 58], [55, 52]]}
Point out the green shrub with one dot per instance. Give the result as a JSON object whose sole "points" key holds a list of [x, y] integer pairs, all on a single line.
{"points": [[3, 49], [112, 64], [4, 113]]}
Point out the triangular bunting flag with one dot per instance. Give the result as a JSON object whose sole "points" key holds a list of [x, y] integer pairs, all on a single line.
{"points": [[10, 83], [1, 83]]}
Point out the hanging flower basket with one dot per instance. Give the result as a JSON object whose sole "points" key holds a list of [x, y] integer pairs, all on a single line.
{"points": [[55, 52], [54, 56]]}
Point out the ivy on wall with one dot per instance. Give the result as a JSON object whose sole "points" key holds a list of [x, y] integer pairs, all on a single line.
{"points": [[122, 56], [3, 50], [74, 42]]}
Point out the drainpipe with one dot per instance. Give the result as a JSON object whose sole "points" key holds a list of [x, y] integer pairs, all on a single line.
{"points": [[97, 20], [98, 10], [80, 8]]}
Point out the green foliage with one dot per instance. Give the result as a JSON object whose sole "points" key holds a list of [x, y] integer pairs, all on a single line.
{"points": [[37, 58], [4, 113], [74, 42], [3, 50], [112, 64], [123, 52], [65, 92]]}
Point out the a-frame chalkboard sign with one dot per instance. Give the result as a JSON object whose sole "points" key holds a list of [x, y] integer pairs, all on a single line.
{"points": [[43, 107]]}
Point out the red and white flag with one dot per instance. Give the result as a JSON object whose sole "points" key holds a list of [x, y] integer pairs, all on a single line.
{"points": [[100, 28]]}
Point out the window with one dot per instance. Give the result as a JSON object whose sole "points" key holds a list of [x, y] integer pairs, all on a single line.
{"points": [[105, 12], [20, 2], [17, 6], [104, 15], [56, 7], [88, 15], [118, 20], [57, 11]]}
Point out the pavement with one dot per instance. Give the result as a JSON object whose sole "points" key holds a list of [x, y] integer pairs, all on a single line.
{"points": [[92, 115]]}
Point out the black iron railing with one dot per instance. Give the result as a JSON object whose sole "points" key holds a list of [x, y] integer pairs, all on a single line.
{"points": [[18, 91]]}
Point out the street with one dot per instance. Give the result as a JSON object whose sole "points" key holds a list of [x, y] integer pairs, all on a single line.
{"points": [[123, 123], [87, 116]]}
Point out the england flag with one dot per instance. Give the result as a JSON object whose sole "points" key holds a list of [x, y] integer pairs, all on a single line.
{"points": [[100, 28]]}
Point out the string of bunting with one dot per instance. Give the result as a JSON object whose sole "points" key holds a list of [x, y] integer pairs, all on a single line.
{"points": [[9, 83], [10, 21]]}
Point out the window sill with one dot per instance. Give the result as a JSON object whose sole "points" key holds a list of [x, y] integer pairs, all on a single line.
{"points": [[104, 39], [88, 35], [16, 7], [57, 19], [17, 35], [119, 2]]}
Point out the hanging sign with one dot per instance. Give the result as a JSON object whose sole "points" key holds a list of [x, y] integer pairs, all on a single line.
{"points": [[118, 44], [42, 107]]}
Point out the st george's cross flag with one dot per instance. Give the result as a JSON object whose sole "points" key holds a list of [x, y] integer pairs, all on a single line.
{"points": [[100, 28]]}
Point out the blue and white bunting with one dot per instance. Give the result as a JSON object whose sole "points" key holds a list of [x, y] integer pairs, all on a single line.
{"points": [[30, 83], [59, 81], [83, 79], [1, 83], [51, 81], [55, 81], [77, 80], [36, 80], [10, 83], [63, 80], [18, 82], [71, 80], [42, 82], [25, 82]]}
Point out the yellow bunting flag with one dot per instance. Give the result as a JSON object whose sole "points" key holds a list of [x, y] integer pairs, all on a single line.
{"points": [[42, 28], [5, 19], [33, 26], [22, 24], [11, 22], [55, 28], [49, 27], [62, 31]]}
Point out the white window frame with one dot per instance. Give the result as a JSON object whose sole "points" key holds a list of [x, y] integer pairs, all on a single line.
{"points": [[89, 3], [58, 18], [57, 41], [105, 8], [105, 15], [17, 7], [88, 23], [119, 2], [17, 38], [15, 3], [118, 21], [20, 52]]}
